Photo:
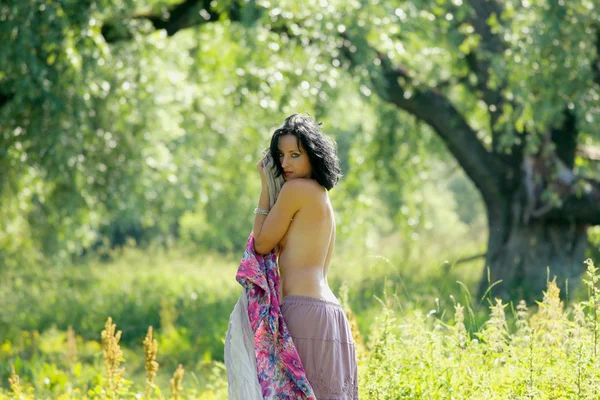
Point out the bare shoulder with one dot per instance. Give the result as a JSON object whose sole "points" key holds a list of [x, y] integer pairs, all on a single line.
{"points": [[302, 192], [302, 187]]}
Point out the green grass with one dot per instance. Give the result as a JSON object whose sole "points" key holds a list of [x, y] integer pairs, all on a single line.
{"points": [[405, 311], [551, 353]]}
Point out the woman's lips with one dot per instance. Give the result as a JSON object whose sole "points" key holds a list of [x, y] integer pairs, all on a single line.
{"points": [[287, 173]]}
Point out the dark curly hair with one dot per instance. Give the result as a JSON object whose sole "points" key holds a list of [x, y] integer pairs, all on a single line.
{"points": [[321, 150]]}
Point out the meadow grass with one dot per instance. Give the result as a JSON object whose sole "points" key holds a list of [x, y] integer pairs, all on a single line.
{"points": [[551, 353], [420, 333]]}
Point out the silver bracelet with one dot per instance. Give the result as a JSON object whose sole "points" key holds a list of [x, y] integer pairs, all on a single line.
{"points": [[261, 211]]}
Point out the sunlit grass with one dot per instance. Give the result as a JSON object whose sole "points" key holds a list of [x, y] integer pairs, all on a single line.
{"points": [[187, 297], [423, 333], [548, 352]]}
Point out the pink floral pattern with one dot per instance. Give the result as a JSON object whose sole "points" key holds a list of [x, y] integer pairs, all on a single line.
{"points": [[280, 371]]}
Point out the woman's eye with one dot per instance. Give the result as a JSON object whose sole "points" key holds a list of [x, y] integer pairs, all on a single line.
{"points": [[296, 155], [280, 155]]}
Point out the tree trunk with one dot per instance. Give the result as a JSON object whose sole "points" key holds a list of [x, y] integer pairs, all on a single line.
{"points": [[521, 251]]}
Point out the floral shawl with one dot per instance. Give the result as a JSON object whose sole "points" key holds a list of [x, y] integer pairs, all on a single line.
{"points": [[280, 371]]}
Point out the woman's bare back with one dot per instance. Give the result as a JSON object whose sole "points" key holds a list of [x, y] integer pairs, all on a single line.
{"points": [[306, 248]]}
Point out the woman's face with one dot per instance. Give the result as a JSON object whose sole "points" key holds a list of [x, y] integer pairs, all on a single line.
{"points": [[294, 160]]}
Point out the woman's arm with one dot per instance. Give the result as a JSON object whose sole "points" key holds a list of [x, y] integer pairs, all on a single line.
{"points": [[270, 230], [263, 202]]}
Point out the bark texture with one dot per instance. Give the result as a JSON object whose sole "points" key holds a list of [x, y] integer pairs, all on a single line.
{"points": [[523, 255]]}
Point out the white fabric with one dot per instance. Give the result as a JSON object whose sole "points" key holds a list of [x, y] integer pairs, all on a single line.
{"points": [[240, 360], [274, 183]]}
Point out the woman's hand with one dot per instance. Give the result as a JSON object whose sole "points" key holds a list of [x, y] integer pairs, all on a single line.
{"points": [[261, 169]]}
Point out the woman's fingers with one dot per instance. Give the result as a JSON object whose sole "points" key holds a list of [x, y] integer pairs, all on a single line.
{"points": [[260, 165]]}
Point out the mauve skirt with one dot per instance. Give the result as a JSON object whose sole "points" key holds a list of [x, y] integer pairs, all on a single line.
{"points": [[322, 335]]}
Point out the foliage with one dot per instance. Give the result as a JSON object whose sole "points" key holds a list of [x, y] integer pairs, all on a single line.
{"points": [[187, 298], [155, 138], [548, 353], [152, 141], [66, 382]]}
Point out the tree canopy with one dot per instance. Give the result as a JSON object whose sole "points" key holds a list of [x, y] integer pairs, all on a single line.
{"points": [[119, 114]]}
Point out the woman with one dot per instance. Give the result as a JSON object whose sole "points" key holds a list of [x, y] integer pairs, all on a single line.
{"points": [[301, 225]]}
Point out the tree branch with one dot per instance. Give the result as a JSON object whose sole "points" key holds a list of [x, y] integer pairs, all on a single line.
{"points": [[490, 44], [192, 13], [397, 87], [484, 9], [565, 139], [583, 207], [470, 258], [479, 63], [184, 15]]}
